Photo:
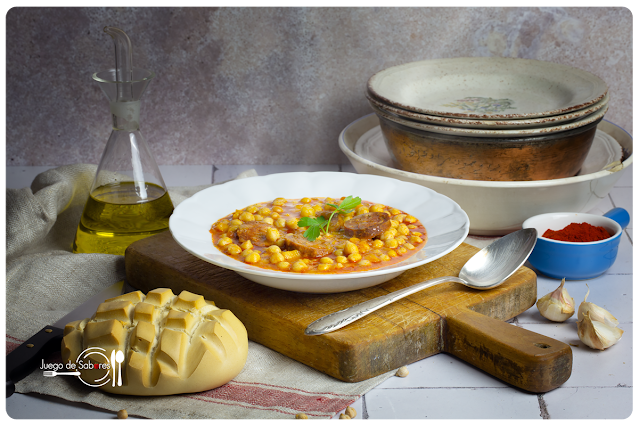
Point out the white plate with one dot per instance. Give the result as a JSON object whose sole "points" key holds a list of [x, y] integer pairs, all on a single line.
{"points": [[491, 124], [446, 223], [499, 207], [603, 151], [487, 87]]}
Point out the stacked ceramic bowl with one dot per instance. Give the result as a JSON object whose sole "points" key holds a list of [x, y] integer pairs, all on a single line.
{"points": [[489, 119]]}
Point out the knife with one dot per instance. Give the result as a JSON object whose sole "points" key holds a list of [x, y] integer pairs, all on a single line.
{"points": [[26, 357]]}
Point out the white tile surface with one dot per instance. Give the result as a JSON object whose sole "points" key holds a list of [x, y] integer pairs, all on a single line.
{"points": [[443, 386], [589, 403]]}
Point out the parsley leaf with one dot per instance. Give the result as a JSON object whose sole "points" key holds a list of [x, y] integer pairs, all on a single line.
{"points": [[314, 226]]}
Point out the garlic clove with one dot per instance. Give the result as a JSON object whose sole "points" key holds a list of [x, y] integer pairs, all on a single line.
{"points": [[597, 313], [557, 306], [597, 334]]}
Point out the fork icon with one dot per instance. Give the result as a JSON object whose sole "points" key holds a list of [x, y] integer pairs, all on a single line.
{"points": [[61, 373]]}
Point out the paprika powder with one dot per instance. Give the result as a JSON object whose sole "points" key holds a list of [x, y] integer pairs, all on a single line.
{"points": [[578, 233]]}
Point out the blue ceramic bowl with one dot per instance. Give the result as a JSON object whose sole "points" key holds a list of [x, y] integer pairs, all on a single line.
{"points": [[576, 261]]}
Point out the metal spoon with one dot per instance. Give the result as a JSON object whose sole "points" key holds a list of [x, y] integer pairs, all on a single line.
{"points": [[488, 268]]}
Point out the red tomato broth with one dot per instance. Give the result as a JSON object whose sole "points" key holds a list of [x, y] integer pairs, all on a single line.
{"points": [[377, 251]]}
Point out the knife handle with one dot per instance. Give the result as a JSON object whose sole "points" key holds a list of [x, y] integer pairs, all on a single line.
{"points": [[520, 357], [26, 357]]}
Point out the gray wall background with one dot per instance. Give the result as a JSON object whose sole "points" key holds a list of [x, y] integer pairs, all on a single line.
{"points": [[266, 85]]}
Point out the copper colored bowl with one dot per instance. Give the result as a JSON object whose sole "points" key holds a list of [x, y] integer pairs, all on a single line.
{"points": [[553, 156]]}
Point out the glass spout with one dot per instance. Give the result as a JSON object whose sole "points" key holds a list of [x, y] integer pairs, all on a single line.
{"points": [[123, 63]]}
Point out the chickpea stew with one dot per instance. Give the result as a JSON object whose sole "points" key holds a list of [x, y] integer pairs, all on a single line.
{"points": [[368, 236]]}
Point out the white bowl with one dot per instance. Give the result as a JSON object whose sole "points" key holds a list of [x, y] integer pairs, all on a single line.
{"points": [[446, 223], [487, 87], [500, 207]]}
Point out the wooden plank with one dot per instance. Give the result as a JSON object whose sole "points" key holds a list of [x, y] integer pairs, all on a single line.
{"points": [[398, 334]]}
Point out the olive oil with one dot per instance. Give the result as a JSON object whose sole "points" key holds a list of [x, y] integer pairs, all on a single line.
{"points": [[114, 217]]}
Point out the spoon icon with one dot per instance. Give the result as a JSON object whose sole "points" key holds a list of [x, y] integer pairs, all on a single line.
{"points": [[488, 268], [119, 357]]}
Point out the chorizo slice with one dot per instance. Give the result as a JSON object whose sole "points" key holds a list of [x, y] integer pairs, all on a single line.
{"points": [[254, 231], [337, 222], [367, 225], [309, 249]]}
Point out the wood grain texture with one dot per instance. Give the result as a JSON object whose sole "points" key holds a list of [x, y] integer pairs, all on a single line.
{"points": [[398, 334]]}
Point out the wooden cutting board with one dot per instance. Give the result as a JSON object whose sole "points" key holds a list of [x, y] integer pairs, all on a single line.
{"points": [[450, 317]]}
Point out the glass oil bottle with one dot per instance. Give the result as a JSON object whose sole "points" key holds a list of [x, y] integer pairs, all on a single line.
{"points": [[128, 199]]}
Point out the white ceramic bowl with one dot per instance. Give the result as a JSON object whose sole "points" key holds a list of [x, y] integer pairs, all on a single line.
{"points": [[497, 208], [487, 87], [446, 223]]}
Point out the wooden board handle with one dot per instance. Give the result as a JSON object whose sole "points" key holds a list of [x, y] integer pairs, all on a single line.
{"points": [[513, 354]]}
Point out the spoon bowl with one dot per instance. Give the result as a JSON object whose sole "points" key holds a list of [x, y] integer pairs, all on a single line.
{"points": [[488, 268], [119, 357]]}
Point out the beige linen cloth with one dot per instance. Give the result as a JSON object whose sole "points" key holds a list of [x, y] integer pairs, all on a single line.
{"points": [[45, 281]]}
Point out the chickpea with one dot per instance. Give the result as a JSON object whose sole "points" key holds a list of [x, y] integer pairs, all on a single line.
{"points": [[317, 208], [279, 201], [258, 217], [384, 258], [233, 228], [350, 248], [409, 246], [274, 216], [392, 253], [339, 265], [377, 208], [391, 243], [291, 223], [372, 258], [361, 209], [403, 229], [268, 220], [410, 219], [364, 247], [247, 217], [280, 222], [307, 211], [341, 259], [233, 249], [324, 267], [222, 225], [299, 266], [364, 262], [283, 265], [236, 222], [354, 240], [305, 200], [394, 211], [224, 241], [251, 209], [338, 252], [274, 249], [401, 250], [326, 260], [394, 224], [291, 254], [253, 257], [264, 211], [378, 243], [277, 209], [246, 252], [415, 239], [417, 234], [247, 244], [354, 257], [276, 258], [272, 235], [400, 217], [412, 227]]}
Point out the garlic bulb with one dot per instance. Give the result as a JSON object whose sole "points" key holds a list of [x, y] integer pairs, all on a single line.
{"points": [[596, 326], [557, 306], [597, 334], [597, 313]]}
